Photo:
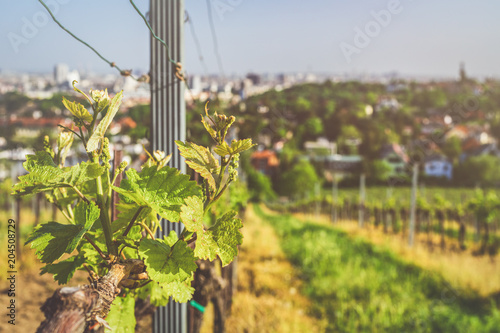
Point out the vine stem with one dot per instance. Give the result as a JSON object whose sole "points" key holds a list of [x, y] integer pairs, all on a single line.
{"points": [[131, 223], [95, 247], [147, 230], [193, 239], [68, 206], [65, 214], [106, 224], [217, 197], [69, 129], [80, 194], [83, 139]]}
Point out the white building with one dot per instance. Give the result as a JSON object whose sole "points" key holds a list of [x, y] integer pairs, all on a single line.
{"points": [[438, 166], [61, 72]]}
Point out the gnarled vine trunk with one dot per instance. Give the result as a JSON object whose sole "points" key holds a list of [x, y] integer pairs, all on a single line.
{"points": [[77, 309], [210, 286]]}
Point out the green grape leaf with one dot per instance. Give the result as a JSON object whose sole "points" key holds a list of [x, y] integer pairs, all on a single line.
{"points": [[121, 317], [63, 271], [89, 188], [86, 214], [167, 264], [171, 239], [127, 213], [160, 295], [51, 240], [157, 295], [238, 146], [223, 149], [180, 291], [78, 110], [162, 190], [192, 214], [201, 160], [101, 97], [103, 125], [45, 175], [64, 142], [222, 239], [209, 128]]}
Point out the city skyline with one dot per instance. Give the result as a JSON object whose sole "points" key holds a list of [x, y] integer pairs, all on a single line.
{"points": [[421, 38]]}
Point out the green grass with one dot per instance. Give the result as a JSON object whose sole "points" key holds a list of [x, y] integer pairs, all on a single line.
{"points": [[359, 287]]}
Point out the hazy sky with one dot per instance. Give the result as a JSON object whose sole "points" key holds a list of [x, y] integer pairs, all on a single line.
{"points": [[421, 37]]}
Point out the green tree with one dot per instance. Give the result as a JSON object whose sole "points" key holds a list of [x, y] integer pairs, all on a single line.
{"points": [[348, 139], [479, 170], [14, 101], [310, 130], [495, 129], [299, 180], [430, 98], [259, 186], [141, 115], [452, 148], [378, 170]]}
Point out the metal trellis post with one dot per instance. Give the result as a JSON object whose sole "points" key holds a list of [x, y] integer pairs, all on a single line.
{"points": [[168, 121], [362, 196], [413, 204]]}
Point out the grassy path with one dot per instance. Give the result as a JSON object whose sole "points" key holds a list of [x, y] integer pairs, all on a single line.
{"points": [[358, 287], [268, 297]]}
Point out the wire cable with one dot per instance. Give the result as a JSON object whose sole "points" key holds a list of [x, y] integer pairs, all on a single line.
{"points": [[111, 63], [214, 38], [178, 66], [153, 33]]}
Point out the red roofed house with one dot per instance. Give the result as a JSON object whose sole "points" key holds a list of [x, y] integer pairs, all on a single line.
{"points": [[265, 161]]}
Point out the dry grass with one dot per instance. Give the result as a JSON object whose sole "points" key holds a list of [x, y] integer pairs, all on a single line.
{"points": [[460, 268], [268, 297]]}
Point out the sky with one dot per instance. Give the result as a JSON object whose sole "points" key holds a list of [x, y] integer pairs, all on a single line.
{"points": [[411, 37]]}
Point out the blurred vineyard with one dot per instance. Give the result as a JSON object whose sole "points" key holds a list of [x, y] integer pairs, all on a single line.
{"points": [[360, 285], [463, 217]]}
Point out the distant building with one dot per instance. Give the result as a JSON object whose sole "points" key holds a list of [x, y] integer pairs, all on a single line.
{"points": [[438, 166], [61, 72], [64, 77], [265, 161], [459, 131], [73, 75], [397, 159], [196, 84], [321, 147], [255, 78], [387, 103], [484, 149], [340, 164], [27, 127]]}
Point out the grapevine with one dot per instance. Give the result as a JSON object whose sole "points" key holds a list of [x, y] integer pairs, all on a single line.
{"points": [[123, 258]]}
